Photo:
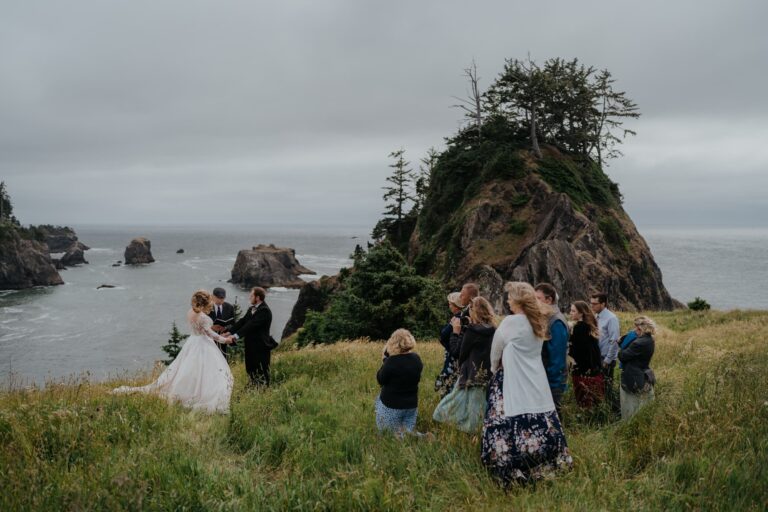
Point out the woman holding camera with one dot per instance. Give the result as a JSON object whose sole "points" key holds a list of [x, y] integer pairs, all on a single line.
{"points": [[447, 377], [399, 376], [637, 378], [465, 405]]}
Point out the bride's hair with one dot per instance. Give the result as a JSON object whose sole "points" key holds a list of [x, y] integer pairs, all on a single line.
{"points": [[202, 302]]}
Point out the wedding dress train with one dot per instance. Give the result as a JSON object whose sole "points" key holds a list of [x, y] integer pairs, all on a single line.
{"points": [[199, 377]]}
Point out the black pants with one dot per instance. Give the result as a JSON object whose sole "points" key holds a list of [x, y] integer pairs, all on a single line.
{"points": [[557, 397], [257, 365], [611, 394]]}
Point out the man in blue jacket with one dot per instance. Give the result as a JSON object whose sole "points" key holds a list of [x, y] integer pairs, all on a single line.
{"points": [[554, 351]]}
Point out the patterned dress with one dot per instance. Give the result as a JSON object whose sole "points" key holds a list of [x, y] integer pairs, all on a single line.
{"points": [[521, 448]]}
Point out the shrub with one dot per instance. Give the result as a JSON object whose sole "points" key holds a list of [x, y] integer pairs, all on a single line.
{"points": [[381, 293], [518, 227], [698, 304]]}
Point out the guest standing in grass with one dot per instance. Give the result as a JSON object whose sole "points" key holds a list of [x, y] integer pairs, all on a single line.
{"points": [[523, 440], [465, 405], [637, 378], [447, 377], [399, 376], [588, 381]]}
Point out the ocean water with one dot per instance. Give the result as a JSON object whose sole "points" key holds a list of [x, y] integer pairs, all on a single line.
{"points": [[75, 329]]}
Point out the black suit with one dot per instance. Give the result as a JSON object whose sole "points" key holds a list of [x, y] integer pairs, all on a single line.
{"points": [[226, 319], [254, 327]]}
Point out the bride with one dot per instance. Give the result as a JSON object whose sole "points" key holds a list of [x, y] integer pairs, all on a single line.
{"points": [[199, 377]]}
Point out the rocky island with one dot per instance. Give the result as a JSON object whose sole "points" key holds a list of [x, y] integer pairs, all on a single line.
{"points": [[139, 252], [268, 266], [24, 263]]}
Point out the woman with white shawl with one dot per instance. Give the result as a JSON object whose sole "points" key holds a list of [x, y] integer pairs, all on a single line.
{"points": [[523, 439]]}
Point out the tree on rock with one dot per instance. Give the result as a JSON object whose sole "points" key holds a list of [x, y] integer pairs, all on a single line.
{"points": [[398, 196]]}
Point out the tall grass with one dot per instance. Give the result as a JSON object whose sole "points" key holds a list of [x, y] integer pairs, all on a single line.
{"points": [[310, 442]]}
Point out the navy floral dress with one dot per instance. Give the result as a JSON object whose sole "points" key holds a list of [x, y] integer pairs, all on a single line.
{"points": [[522, 448]]}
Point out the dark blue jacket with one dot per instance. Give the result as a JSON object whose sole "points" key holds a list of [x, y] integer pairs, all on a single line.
{"points": [[554, 353]]}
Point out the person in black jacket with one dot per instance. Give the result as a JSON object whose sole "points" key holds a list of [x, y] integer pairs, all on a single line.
{"points": [[399, 376], [637, 378], [254, 327], [447, 377], [222, 314], [588, 382], [465, 405]]}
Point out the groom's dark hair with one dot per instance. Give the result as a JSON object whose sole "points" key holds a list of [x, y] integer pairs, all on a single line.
{"points": [[259, 292]]}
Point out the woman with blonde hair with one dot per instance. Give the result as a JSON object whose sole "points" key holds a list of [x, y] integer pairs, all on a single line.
{"points": [[465, 405], [637, 378], [399, 376], [588, 382], [199, 377], [522, 437]]}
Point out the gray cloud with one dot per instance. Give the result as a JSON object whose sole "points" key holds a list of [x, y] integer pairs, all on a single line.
{"points": [[134, 111]]}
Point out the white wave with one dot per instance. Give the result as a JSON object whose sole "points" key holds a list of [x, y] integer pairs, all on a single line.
{"points": [[102, 249], [309, 277], [41, 317], [12, 310], [278, 289], [188, 263]]}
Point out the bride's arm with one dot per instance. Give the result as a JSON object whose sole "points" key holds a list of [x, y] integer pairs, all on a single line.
{"points": [[201, 326]]}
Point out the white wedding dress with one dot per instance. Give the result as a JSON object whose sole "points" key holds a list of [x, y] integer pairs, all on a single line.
{"points": [[199, 377]]}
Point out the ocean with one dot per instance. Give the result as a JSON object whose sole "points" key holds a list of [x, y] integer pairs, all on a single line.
{"points": [[79, 330]]}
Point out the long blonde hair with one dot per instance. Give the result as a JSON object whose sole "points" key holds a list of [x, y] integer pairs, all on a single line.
{"points": [[401, 342], [524, 296]]}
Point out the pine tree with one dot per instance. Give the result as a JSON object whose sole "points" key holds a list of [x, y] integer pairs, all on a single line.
{"points": [[173, 346], [398, 194], [6, 207], [421, 184]]}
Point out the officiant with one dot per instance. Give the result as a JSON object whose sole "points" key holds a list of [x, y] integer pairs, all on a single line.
{"points": [[222, 314]]}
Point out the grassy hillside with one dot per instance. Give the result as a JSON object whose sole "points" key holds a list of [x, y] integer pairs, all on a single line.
{"points": [[309, 443]]}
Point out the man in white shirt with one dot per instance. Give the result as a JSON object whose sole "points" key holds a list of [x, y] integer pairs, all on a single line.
{"points": [[608, 325]]}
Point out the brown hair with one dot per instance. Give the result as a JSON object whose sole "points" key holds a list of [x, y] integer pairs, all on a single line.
{"points": [[481, 312], [472, 288], [202, 302], [259, 292], [548, 290], [401, 342], [601, 297], [523, 295], [587, 316]]}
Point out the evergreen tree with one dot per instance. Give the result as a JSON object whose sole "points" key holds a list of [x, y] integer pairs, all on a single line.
{"points": [[421, 183], [397, 195], [174, 344], [6, 207], [379, 295]]}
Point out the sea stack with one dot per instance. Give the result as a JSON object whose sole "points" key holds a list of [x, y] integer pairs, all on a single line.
{"points": [[139, 252], [25, 263], [268, 266]]}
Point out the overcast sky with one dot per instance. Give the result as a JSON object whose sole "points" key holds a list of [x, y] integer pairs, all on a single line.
{"points": [[182, 111]]}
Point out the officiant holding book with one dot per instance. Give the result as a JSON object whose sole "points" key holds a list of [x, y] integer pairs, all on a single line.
{"points": [[222, 314]]}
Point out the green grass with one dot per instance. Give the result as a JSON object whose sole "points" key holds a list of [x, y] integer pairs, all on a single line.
{"points": [[310, 443]]}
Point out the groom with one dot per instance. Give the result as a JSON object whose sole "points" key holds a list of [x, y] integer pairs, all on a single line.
{"points": [[254, 327]]}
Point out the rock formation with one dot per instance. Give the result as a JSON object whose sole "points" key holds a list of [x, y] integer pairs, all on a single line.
{"points": [[268, 266], [74, 255], [25, 263], [524, 229], [313, 296], [60, 238], [138, 252]]}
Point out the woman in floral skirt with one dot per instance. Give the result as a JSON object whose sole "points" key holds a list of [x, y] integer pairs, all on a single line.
{"points": [[522, 436]]}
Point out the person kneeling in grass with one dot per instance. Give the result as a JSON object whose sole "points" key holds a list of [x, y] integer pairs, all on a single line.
{"points": [[399, 376]]}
